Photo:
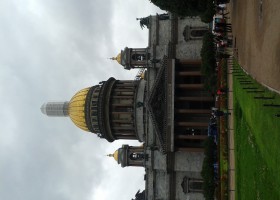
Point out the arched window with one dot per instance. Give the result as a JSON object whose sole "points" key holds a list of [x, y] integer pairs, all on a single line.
{"points": [[198, 33], [194, 33], [138, 57], [136, 156], [190, 185]]}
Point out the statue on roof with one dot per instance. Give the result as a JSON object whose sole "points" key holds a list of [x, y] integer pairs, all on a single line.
{"points": [[145, 21], [139, 195]]}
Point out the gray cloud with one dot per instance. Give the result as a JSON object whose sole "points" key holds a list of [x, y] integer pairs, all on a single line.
{"points": [[49, 50]]}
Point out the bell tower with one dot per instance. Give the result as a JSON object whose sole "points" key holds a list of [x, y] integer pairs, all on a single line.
{"points": [[132, 58], [130, 156]]}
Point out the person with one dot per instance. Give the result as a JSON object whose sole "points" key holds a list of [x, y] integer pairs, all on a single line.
{"points": [[213, 121], [220, 20], [219, 30], [220, 113], [214, 109], [218, 34], [225, 26], [222, 44], [221, 55], [221, 91]]}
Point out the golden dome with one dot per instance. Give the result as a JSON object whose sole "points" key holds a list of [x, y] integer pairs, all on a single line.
{"points": [[115, 155], [118, 58], [76, 109]]}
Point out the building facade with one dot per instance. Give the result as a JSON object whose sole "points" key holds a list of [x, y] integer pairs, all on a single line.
{"points": [[166, 108]]}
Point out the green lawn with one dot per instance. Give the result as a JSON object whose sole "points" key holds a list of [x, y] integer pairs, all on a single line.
{"points": [[257, 142]]}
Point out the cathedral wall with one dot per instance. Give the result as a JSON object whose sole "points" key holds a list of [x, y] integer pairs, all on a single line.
{"points": [[153, 33], [189, 50], [186, 164], [188, 47], [192, 22], [139, 112], [151, 78], [188, 161], [159, 160], [161, 186], [150, 135], [164, 32], [148, 163], [190, 196], [180, 194], [161, 50], [149, 184], [156, 160]]}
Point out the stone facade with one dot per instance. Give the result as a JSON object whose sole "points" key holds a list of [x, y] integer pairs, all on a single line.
{"points": [[165, 172]]}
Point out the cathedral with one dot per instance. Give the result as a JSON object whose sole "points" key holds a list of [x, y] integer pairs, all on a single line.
{"points": [[166, 108]]}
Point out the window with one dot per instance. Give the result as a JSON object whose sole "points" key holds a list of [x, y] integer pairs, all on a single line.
{"points": [[194, 33], [190, 185], [136, 156], [138, 57], [198, 33]]}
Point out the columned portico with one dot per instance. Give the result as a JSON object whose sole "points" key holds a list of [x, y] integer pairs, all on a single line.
{"points": [[192, 105], [180, 106]]}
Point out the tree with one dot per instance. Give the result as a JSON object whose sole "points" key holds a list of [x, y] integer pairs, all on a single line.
{"points": [[203, 8], [207, 16], [182, 7], [208, 65]]}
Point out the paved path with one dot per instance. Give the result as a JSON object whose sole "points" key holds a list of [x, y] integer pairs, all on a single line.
{"points": [[256, 27]]}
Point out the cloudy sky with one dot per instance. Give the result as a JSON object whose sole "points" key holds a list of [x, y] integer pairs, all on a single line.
{"points": [[49, 50]]}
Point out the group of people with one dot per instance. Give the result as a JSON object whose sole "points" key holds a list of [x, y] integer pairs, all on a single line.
{"points": [[221, 31], [221, 26], [223, 44], [219, 113]]}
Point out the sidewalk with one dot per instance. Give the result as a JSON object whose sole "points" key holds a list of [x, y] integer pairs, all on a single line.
{"points": [[231, 146], [231, 139]]}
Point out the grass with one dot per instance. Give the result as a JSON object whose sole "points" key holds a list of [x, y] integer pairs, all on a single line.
{"points": [[257, 140]]}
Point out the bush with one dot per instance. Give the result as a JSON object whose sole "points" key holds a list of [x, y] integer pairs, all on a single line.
{"points": [[207, 172], [208, 65]]}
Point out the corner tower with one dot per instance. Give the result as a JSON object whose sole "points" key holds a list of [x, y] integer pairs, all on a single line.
{"points": [[130, 156], [131, 58], [113, 110]]}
